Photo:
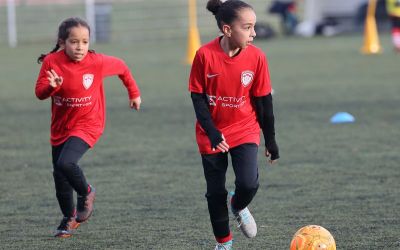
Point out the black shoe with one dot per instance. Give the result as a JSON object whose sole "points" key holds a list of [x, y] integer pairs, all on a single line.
{"points": [[67, 225], [85, 206]]}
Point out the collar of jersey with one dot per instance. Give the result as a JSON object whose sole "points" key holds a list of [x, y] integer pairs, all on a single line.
{"points": [[227, 58]]}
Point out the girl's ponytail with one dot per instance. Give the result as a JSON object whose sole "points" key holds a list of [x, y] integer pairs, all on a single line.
{"points": [[42, 56], [226, 12], [213, 6]]}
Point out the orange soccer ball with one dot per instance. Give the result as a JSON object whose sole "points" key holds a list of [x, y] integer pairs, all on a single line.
{"points": [[313, 237]]}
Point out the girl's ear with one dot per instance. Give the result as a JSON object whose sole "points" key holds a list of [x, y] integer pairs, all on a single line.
{"points": [[227, 30], [61, 43]]}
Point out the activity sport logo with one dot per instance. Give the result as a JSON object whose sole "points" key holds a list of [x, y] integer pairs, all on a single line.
{"points": [[73, 102], [226, 101]]}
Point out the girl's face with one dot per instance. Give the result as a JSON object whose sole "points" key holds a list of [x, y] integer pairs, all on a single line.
{"points": [[77, 44], [241, 31]]}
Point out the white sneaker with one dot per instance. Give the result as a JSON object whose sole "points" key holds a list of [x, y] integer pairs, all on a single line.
{"points": [[244, 219], [224, 246]]}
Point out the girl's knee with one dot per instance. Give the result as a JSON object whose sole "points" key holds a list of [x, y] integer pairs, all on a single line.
{"points": [[64, 165], [247, 187]]}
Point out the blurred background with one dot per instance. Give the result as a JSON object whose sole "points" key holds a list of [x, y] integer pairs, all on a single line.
{"points": [[326, 60], [144, 21]]}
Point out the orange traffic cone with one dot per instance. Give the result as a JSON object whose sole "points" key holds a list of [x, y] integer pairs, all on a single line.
{"points": [[193, 44], [371, 37], [193, 35]]}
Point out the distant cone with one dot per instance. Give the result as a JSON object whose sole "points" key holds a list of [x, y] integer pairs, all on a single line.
{"points": [[193, 34], [193, 44], [371, 37], [342, 117]]}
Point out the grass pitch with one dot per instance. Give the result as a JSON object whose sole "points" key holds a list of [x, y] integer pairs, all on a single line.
{"points": [[148, 173]]}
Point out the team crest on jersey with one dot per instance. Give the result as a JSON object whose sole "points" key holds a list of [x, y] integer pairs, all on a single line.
{"points": [[87, 80], [247, 77]]}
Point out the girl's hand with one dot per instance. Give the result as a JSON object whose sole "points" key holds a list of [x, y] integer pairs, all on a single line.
{"points": [[135, 103], [271, 159], [223, 146], [54, 80]]}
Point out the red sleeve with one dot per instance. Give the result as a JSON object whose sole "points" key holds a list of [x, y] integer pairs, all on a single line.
{"points": [[115, 66], [262, 83], [196, 79], [43, 89]]}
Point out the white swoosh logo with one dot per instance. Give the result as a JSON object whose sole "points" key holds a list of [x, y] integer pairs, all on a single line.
{"points": [[211, 75]]}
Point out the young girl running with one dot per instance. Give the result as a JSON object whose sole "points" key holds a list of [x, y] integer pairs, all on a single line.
{"points": [[72, 75], [231, 93]]}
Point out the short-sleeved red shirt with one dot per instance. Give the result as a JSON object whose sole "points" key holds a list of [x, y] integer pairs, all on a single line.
{"points": [[229, 84], [78, 105]]}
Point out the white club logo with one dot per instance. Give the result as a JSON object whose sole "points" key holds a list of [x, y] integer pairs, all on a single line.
{"points": [[247, 77], [87, 80]]}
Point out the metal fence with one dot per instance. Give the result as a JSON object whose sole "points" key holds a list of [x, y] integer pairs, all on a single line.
{"points": [[151, 20], [122, 21]]}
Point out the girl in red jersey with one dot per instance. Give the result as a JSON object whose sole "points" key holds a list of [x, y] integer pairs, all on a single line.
{"points": [[231, 93], [72, 75]]}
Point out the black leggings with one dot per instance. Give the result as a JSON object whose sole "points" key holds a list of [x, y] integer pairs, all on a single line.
{"points": [[68, 176], [244, 162]]}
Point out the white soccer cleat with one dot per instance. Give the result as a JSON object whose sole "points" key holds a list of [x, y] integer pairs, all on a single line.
{"points": [[224, 246], [245, 220]]}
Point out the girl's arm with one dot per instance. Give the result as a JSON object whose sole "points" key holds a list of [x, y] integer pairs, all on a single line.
{"points": [[204, 118], [48, 82], [200, 104], [115, 66], [266, 119], [262, 100]]}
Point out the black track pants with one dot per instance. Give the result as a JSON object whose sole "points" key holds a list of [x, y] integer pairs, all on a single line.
{"points": [[244, 162], [68, 176]]}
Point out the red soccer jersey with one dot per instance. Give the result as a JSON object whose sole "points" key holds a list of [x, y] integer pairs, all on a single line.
{"points": [[229, 84], [78, 105]]}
